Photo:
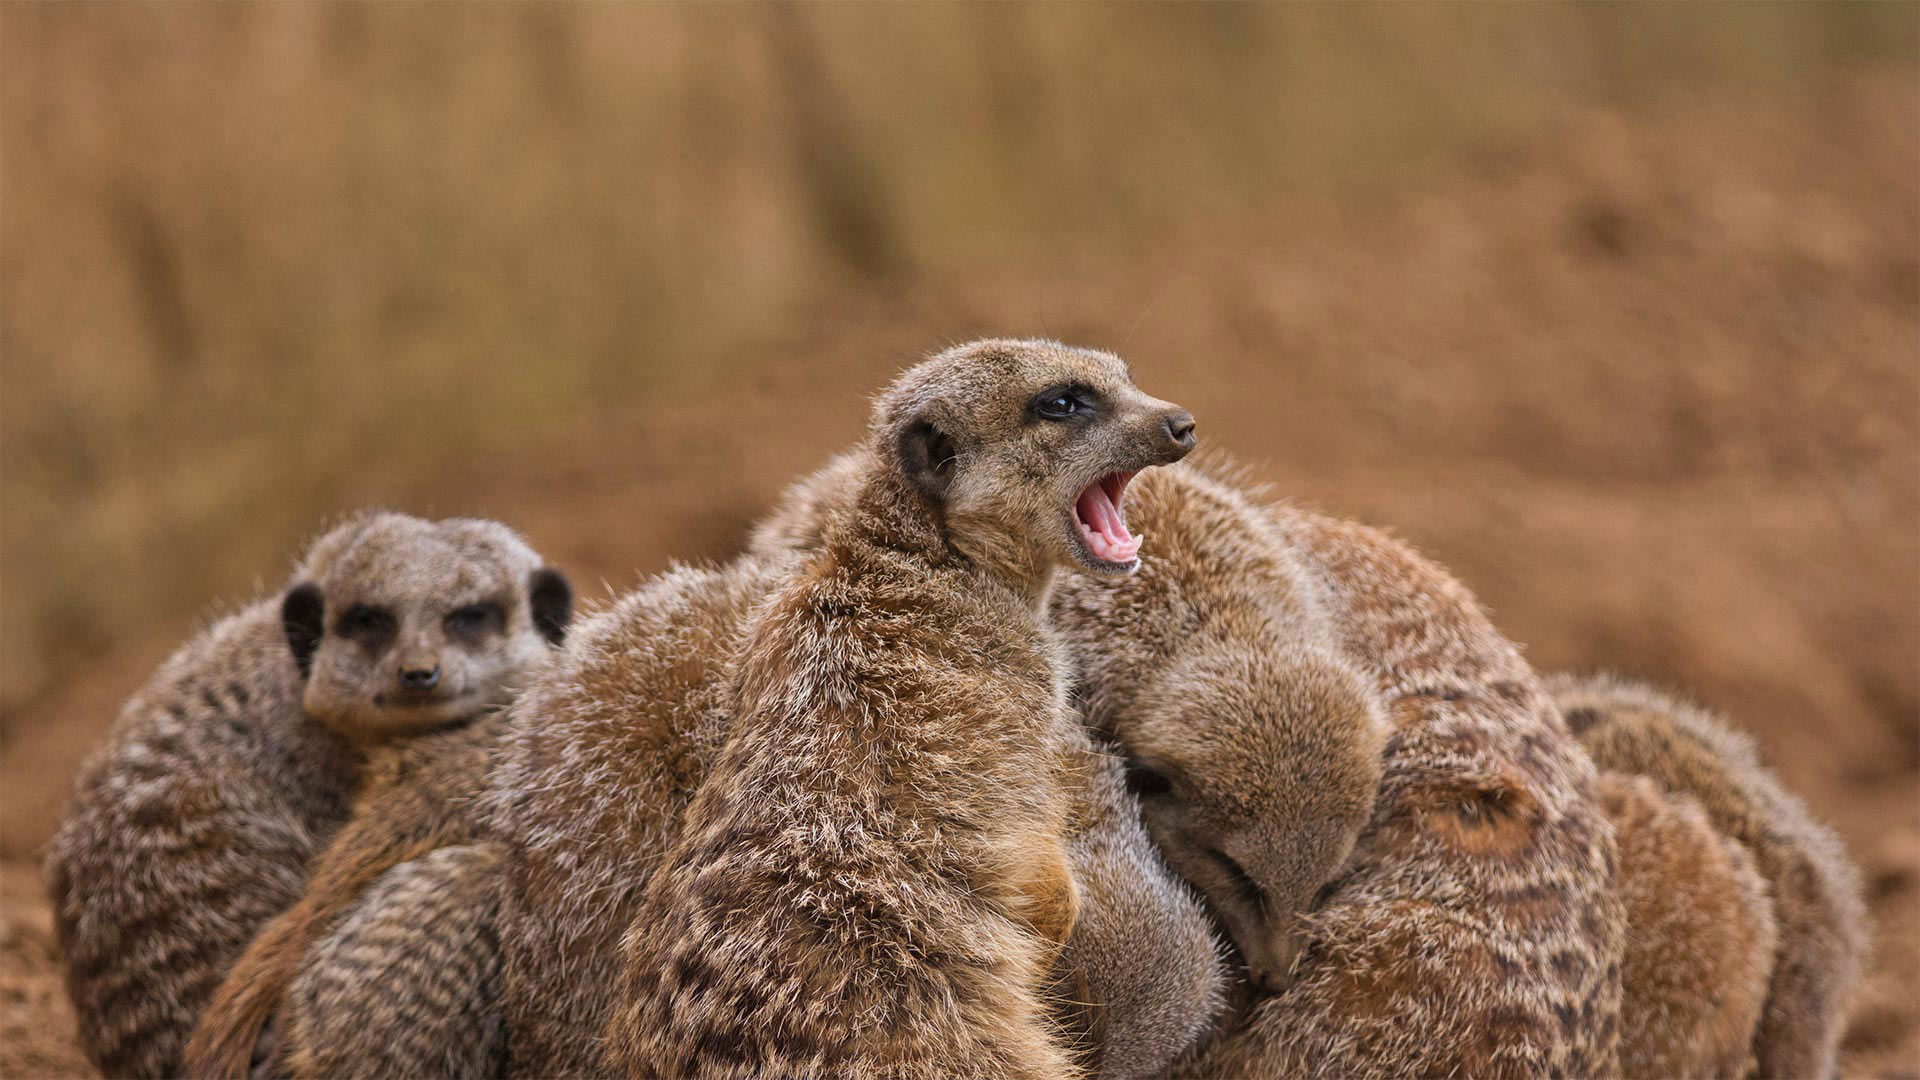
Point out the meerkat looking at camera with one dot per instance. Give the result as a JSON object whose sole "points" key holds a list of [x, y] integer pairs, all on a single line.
{"points": [[874, 877], [461, 623], [226, 774]]}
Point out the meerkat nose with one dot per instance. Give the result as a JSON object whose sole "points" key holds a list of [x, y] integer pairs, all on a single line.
{"points": [[420, 678], [1179, 427]]}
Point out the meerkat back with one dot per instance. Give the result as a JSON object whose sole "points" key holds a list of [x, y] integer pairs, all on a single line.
{"points": [[1636, 730], [1700, 936]]}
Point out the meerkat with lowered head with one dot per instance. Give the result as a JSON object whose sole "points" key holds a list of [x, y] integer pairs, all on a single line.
{"points": [[873, 876], [1687, 751], [226, 774]]}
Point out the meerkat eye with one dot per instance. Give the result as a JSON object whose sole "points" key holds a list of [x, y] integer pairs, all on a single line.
{"points": [[475, 619], [1061, 403], [1147, 783], [366, 623]]}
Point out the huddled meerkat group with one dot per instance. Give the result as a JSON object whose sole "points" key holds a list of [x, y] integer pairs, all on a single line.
{"points": [[1009, 747]]}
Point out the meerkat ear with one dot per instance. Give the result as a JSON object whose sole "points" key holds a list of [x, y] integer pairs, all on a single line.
{"points": [[303, 618], [550, 600], [927, 457]]}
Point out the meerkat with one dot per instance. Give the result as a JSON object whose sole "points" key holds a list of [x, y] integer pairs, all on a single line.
{"points": [[1687, 751], [1151, 976], [610, 745], [1474, 928], [874, 875], [226, 774]]}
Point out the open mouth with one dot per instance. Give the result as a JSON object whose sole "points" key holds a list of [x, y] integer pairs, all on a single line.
{"points": [[1100, 525]]}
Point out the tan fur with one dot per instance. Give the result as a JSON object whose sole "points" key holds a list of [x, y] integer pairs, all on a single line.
{"points": [[223, 777], [1634, 729], [1700, 937], [874, 877], [407, 984]]}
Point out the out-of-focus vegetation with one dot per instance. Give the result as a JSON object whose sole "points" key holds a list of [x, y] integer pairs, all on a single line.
{"points": [[249, 252]]}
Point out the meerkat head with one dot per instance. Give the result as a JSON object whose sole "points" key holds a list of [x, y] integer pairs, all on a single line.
{"points": [[1025, 448], [400, 626], [1256, 770]]}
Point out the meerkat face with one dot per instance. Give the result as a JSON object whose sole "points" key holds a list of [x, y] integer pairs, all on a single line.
{"points": [[401, 626], [1027, 447], [1255, 777]]}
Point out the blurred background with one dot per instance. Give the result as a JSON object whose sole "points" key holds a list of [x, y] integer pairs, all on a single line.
{"points": [[1612, 308]]}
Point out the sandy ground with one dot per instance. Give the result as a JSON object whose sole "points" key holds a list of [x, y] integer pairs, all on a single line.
{"points": [[1652, 390]]}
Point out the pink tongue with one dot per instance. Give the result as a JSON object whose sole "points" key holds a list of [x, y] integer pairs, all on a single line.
{"points": [[1103, 528]]}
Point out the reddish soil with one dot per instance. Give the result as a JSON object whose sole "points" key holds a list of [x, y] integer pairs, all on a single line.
{"points": [[1651, 389]]}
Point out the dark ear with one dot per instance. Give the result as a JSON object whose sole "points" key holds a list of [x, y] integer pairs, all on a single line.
{"points": [[928, 458], [550, 600], [303, 616]]}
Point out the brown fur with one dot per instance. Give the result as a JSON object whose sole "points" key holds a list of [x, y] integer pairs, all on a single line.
{"points": [[1685, 750], [1700, 937], [196, 822], [874, 876]]}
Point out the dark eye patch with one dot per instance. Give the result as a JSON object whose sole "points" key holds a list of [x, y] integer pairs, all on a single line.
{"points": [[369, 625], [475, 620], [1146, 782]]}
